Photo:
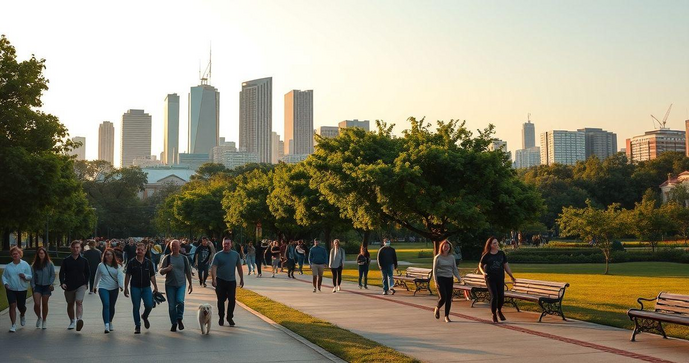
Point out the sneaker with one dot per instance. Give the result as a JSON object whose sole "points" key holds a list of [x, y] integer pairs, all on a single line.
{"points": [[137, 330], [72, 325], [174, 327], [80, 324], [273, 275], [392, 291], [221, 321], [502, 317], [111, 327], [107, 328], [90, 292], [314, 289], [334, 289], [45, 324], [231, 321], [447, 319], [180, 325], [13, 328], [38, 323], [22, 320], [365, 287], [147, 324], [204, 285], [385, 292], [360, 287], [339, 288]]}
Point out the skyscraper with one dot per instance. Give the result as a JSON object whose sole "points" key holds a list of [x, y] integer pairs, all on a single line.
{"points": [[256, 118], [106, 142], [562, 147], [80, 151], [136, 136], [298, 123], [528, 135], [526, 158], [204, 118], [365, 124], [276, 153], [653, 143], [600, 143], [171, 130]]}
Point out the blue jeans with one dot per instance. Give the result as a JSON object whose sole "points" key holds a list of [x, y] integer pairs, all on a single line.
{"points": [[300, 261], [388, 277], [109, 299], [363, 272], [251, 262], [175, 302], [138, 294]]}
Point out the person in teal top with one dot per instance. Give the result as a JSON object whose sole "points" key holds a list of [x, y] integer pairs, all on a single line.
{"points": [[16, 278], [224, 279]]}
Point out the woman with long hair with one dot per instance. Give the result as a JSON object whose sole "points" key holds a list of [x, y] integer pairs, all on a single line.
{"points": [[42, 285], [16, 278], [493, 266], [275, 254], [363, 260], [109, 281], [336, 264], [444, 271]]}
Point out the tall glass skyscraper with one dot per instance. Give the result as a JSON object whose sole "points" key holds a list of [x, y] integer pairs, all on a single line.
{"points": [[204, 119], [528, 135], [171, 130], [299, 122], [256, 118], [106, 142], [136, 136]]}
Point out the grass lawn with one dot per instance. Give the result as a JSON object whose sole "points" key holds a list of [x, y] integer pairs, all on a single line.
{"points": [[340, 342]]}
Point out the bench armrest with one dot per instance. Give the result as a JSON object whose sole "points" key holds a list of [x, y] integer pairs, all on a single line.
{"points": [[639, 300]]}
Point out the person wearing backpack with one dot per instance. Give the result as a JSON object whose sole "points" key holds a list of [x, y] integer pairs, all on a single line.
{"points": [[175, 268], [363, 260]]}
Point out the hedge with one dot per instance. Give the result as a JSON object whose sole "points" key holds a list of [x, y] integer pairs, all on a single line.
{"points": [[596, 256]]}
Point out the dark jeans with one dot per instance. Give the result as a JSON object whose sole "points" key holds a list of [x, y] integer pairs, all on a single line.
{"points": [[175, 302], [291, 264], [300, 261], [363, 272], [226, 290], [444, 285], [138, 294], [109, 299], [259, 261], [496, 286], [337, 276], [203, 273], [388, 277]]}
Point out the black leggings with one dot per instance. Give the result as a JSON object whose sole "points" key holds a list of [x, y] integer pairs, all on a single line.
{"points": [[445, 293], [496, 286], [259, 261], [337, 276], [203, 273]]}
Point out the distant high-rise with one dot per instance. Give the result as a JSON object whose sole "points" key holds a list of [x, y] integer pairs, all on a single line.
{"points": [[106, 142], [219, 151], [686, 138], [136, 136], [256, 118], [328, 131], [80, 151], [562, 147], [171, 130], [298, 123], [354, 123], [204, 119], [498, 144], [528, 135], [600, 143], [275, 147], [653, 143], [526, 158]]}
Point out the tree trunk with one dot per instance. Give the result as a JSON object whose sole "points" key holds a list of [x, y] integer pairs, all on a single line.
{"points": [[326, 236], [6, 240], [19, 237], [367, 236], [607, 261], [436, 246]]}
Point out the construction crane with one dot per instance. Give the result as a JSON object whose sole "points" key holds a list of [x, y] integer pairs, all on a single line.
{"points": [[662, 124]]}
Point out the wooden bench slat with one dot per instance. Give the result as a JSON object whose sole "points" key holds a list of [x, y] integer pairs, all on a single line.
{"points": [[533, 291], [545, 283], [665, 295], [679, 303]]}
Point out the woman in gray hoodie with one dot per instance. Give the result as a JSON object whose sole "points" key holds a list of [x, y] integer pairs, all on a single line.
{"points": [[42, 285], [337, 259]]}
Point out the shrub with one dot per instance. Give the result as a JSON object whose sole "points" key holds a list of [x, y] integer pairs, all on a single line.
{"points": [[617, 246], [425, 254]]}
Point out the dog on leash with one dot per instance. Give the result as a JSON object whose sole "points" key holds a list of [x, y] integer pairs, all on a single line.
{"points": [[205, 315]]}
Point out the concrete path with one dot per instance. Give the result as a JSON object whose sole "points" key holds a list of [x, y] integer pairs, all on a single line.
{"points": [[252, 340], [405, 323]]}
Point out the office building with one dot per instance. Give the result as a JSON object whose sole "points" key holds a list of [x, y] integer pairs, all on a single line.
{"points": [[136, 136], [354, 123], [328, 132], [298, 123], [526, 158], [193, 161], [293, 159], [171, 130], [106, 142], [498, 144], [204, 118], [79, 151], [146, 161], [218, 152], [277, 148], [528, 135], [235, 159], [600, 143], [562, 147], [256, 118], [653, 143], [686, 138]]}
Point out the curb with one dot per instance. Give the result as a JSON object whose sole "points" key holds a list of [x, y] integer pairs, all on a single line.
{"points": [[331, 357]]}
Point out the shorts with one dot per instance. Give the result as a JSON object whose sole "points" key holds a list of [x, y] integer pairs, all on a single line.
{"points": [[43, 290], [317, 270], [76, 295], [16, 297]]}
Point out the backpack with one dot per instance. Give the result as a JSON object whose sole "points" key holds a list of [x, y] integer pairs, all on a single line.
{"points": [[166, 262]]}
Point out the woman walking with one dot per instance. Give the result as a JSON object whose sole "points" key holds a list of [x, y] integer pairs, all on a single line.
{"points": [[363, 260], [336, 263], [108, 283], [260, 257], [42, 285], [251, 258], [275, 255], [291, 258], [16, 278], [301, 255], [493, 266], [444, 271]]}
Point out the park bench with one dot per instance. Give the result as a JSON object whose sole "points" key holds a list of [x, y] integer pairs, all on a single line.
{"points": [[669, 308], [474, 286], [421, 277], [547, 294]]}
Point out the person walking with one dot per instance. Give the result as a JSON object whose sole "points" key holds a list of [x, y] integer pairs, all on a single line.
{"points": [[74, 277], [224, 280], [387, 263], [291, 255], [363, 260], [260, 257], [336, 264], [128, 250], [318, 259], [16, 278], [275, 255], [283, 255], [251, 257], [93, 256], [202, 258], [444, 271], [108, 283], [141, 274], [175, 268], [493, 266], [43, 271], [301, 255]]}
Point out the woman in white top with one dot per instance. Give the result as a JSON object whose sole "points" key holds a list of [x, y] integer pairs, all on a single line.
{"points": [[444, 269], [110, 281], [336, 263], [16, 278]]}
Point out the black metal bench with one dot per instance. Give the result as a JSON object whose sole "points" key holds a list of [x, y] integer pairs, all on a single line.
{"points": [[669, 308], [547, 294], [474, 285], [421, 277]]}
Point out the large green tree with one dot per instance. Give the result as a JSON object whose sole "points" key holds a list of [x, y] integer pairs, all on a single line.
{"points": [[246, 204], [650, 222]]}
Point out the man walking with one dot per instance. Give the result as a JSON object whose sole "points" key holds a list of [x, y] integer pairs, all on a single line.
{"points": [[141, 273], [318, 258], [224, 280], [93, 256], [387, 262], [175, 268], [202, 258], [74, 277]]}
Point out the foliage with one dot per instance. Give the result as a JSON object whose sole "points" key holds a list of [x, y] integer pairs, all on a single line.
{"points": [[208, 170], [199, 206], [617, 246], [648, 221], [246, 205]]}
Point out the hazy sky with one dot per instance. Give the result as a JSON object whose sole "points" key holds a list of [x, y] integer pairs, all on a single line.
{"points": [[571, 64]]}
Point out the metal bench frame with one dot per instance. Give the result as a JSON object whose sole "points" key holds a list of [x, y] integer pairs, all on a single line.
{"points": [[649, 324], [420, 283], [549, 305]]}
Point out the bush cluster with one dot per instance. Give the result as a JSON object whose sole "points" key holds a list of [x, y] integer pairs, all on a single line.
{"points": [[592, 255]]}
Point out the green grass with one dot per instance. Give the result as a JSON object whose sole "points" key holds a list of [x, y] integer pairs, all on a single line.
{"points": [[340, 342]]}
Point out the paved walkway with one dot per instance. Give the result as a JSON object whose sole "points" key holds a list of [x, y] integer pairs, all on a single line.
{"points": [[405, 323], [252, 340]]}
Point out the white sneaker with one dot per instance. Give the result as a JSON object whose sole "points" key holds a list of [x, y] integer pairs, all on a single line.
{"points": [[334, 289], [72, 325], [338, 288], [45, 324], [22, 320], [13, 328], [111, 327], [38, 323], [107, 328]]}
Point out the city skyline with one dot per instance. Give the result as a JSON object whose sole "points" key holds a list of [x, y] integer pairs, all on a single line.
{"points": [[571, 65]]}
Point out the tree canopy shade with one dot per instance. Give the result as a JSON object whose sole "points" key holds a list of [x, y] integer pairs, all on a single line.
{"points": [[246, 204]]}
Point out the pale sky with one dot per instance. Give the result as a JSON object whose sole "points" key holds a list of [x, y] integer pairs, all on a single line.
{"points": [[571, 64]]}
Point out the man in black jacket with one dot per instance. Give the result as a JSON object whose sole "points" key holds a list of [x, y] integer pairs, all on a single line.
{"points": [[387, 260], [74, 277]]}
